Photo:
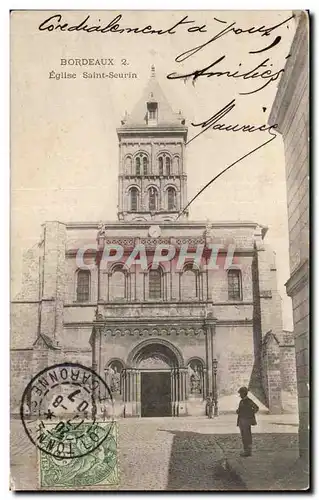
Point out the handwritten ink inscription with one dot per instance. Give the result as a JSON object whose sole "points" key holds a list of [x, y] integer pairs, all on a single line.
{"points": [[260, 71], [256, 75], [214, 123], [245, 71]]}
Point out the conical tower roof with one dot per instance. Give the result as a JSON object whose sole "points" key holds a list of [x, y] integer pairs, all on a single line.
{"points": [[153, 93]]}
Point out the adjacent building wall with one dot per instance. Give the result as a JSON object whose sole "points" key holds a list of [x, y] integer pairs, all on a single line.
{"points": [[291, 112]]}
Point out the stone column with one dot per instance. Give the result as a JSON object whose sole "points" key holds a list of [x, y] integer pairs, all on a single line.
{"points": [[187, 384], [129, 402], [182, 388], [161, 197], [201, 284], [210, 324], [173, 391], [178, 389], [183, 396], [142, 196], [99, 367], [144, 286], [138, 393], [205, 394], [129, 381], [120, 194], [209, 371], [129, 286], [108, 275], [170, 277], [165, 283], [134, 392], [122, 385]]}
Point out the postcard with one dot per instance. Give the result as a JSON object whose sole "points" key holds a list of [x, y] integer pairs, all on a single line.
{"points": [[159, 250]]}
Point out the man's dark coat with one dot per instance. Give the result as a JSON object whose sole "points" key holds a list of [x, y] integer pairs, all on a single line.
{"points": [[246, 411]]}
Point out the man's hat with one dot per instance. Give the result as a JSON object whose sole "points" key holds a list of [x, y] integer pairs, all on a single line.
{"points": [[243, 390]]}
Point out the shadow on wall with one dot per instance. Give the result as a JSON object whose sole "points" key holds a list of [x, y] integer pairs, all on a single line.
{"points": [[255, 385], [197, 461]]}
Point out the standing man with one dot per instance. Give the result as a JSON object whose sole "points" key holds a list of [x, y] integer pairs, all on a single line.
{"points": [[246, 418], [209, 405]]}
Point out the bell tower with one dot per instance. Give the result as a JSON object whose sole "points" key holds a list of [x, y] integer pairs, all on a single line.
{"points": [[152, 180]]}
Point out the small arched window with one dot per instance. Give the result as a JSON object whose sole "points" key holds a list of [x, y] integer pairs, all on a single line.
{"points": [[144, 165], [138, 166], [83, 286], [155, 284], [160, 166], [171, 198], [134, 199], [190, 282], [152, 202], [128, 165], [168, 165], [118, 284], [234, 284], [176, 165]]}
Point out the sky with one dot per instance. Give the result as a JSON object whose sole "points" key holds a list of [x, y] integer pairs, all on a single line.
{"points": [[64, 147]]}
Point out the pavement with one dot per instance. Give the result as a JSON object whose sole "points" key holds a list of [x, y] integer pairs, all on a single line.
{"points": [[275, 464], [189, 453]]}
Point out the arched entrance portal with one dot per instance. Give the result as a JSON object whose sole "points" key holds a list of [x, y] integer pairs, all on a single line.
{"points": [[155, 362], [156, 380]]}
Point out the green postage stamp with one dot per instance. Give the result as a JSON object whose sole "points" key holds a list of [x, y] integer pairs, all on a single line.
{"points": [[98, 468]]}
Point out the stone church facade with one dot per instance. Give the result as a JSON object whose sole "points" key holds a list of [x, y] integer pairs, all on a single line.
{"points": [[165, 309]]}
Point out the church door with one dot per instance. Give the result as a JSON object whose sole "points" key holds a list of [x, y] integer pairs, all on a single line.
{"points": [[155, 394]]}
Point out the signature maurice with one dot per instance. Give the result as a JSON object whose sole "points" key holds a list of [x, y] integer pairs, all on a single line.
{"points": [[214, 123]]}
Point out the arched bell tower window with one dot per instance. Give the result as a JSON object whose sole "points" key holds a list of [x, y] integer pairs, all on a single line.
{"points": [[160, 166], [128, 165], [144, 165], [141, 164], [152, 199], [134, 199], [168, 165], [164, 164], [138, 166], [175, 165], [171, 199]]}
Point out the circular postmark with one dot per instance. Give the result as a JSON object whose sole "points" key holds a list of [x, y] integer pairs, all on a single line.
{"points": [[59, 410]]}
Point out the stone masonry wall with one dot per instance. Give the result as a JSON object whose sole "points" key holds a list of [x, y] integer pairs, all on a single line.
{"points": [[53, 280], [291, 112], [271, 374], [20, 375], [234, 351], [288, 363]]}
